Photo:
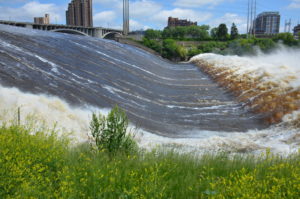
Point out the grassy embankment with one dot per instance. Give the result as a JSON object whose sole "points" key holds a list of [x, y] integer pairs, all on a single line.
{"points": [[40, 165]]}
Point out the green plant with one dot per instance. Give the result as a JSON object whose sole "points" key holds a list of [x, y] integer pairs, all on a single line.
{"points": [[222, 32], [110, 133], [286, 38], [153, 34], [153, 44], [234, 33]]}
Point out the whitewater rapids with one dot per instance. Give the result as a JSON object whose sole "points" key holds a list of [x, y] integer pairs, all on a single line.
{"points": [[61, 79]]}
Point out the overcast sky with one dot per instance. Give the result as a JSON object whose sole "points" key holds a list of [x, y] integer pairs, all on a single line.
{"points": [[152, 13]]}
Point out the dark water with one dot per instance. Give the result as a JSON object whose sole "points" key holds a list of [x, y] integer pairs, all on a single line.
{"points": [[162, 97]]}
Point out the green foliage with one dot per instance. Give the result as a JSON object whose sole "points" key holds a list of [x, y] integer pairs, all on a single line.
{"points": [[37, 165], [212, 46], [153, 34], [194, 51], [173, 51], [110, 133], [153, 44], [186, 32], [234, 33], [30, 164], [213, 33], [286, 38], [247, 46], [222, 32]]}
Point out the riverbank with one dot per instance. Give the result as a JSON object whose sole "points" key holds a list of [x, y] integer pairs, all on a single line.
{"points": [[36, 163]]}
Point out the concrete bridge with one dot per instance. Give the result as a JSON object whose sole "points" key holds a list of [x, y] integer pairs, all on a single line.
{"points": [[99, 32]]}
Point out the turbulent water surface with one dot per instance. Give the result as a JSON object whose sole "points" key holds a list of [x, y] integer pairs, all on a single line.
{"points": [[62, 78], [162, 97]]}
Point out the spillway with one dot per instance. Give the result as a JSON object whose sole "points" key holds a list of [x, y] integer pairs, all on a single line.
{"points": [[159, 96], [63, 78]]}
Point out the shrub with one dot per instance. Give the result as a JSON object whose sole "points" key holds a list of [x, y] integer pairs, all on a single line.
{"points": [[153, 44], [30, 162], [153, 34], [286, 38], [173, 51], [194, 51], [110, 133]]}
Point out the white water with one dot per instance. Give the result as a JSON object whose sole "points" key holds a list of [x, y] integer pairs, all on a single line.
{"points": [[54, 111], [277, 73], [282, 65]]}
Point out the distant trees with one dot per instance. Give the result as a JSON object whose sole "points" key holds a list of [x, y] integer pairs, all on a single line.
{"points": [[153, 34], [219, 40], [186, 32], [234, 33], [286, 38], [213, 33], [222, 32]]}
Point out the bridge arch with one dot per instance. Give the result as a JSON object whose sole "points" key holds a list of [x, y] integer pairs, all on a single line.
{"points": [[70, 31], [109, 35]]}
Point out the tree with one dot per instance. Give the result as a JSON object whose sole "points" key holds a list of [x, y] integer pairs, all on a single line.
{"points": [[222, 32], [213, 33], [153, 34], [234, 33], [180, 32], [167, 33], [286, 38]]}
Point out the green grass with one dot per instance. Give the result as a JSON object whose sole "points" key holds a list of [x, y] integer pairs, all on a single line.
{"points": [[40, 165]]}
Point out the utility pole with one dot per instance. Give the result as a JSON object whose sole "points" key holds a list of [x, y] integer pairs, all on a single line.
{"points": [[251, 16], [248, 19], [287, 25], [285, 22], [254, 19], [251, 23], [125, 17]]}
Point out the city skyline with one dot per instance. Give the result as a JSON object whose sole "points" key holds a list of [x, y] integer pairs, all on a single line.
{"points": [[153, 14]]}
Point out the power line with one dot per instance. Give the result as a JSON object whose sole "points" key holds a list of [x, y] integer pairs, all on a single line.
{"points": [[251, 17]]}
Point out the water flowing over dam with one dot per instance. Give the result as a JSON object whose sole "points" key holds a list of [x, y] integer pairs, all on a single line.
{"points": [[170, 101]]}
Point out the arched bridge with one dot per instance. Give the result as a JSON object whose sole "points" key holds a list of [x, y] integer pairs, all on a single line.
{"points": [[78, 30]]}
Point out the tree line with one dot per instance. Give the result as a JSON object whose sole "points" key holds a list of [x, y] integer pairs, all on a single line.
{"points": [[218, 40]]}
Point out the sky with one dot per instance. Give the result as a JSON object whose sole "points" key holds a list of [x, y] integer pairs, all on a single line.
{"points": [[153, 14]]}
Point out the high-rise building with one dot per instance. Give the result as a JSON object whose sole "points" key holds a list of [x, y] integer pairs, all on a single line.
{"points": [[125, 17], [80, 13], [42, 20], [297, 31], [267, 23]]}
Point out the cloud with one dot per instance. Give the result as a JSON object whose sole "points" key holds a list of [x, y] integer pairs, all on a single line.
{"points": [[230, 18], [189, 14], [135, 25], [295, 4], [105, 18], [196, 3], [144, 8], [32, 9], [14, 1]]}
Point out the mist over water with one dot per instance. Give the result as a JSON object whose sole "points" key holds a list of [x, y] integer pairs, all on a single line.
{"points": [[62, 79]]}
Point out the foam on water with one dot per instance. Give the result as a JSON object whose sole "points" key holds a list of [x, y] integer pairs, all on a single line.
{"points": [[54, 111], [268, 83]]}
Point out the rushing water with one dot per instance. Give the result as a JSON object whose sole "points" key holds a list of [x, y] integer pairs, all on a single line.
{"points": [[172, 103]]}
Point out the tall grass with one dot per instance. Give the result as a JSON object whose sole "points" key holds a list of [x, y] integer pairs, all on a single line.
{"points": [[41, 165]]}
